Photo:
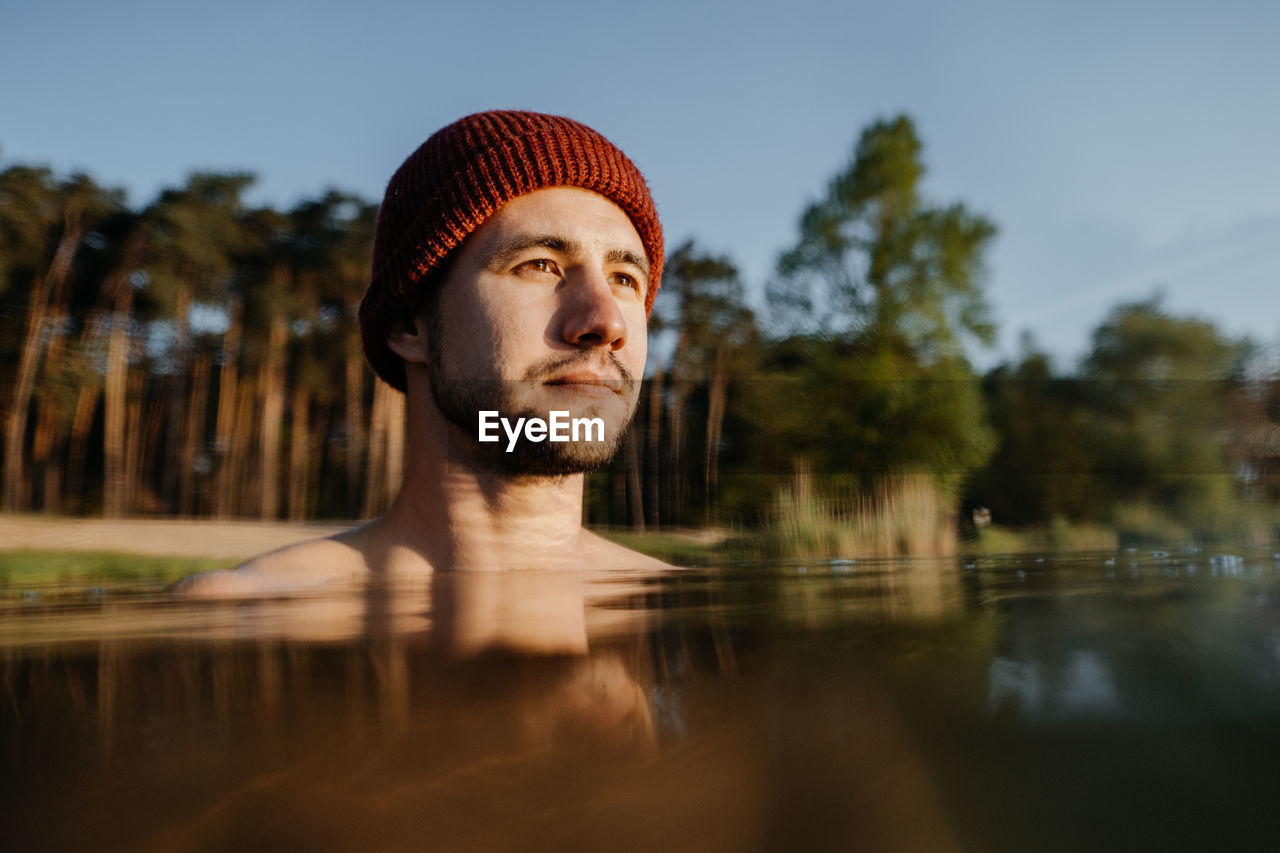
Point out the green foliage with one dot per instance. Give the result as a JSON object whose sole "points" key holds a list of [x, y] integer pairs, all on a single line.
{"points": [[1059, 535], [861, 417], [1141, 342], [703, 302], [325, 243], [36, 208], [1138, 438], [73, 571], [34, 205], [1160, 385], [195, 232], [1045, 461], [879, 294], [1224, 520], [29, 210], [875, 262]]}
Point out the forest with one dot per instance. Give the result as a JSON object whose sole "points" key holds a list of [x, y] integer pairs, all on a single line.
{"points": [[199, 357]]}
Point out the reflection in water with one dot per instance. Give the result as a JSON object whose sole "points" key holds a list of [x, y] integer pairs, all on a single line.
{"points": [[1085, 688], [994, 705], [391, 716]]}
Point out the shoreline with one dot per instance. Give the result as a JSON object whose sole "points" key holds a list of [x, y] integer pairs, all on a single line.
{"points": [[162, 537]]}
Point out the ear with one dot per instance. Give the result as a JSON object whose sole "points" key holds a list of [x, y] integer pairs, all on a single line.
{"points": [[409, 341]]}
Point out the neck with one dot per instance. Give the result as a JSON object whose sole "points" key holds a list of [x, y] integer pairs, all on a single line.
{"points": [[452, 514]]}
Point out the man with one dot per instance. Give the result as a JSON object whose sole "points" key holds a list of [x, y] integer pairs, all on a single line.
{"points": [[515, 263]]}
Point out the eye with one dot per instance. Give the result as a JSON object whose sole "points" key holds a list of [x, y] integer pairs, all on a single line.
{"points": [[539, 265], [629, 281]]}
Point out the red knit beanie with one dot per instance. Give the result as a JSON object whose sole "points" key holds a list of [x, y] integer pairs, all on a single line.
{"points": [[459, 178]]}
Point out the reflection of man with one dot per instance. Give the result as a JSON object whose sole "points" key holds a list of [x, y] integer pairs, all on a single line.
{"points": [[516, 259]]}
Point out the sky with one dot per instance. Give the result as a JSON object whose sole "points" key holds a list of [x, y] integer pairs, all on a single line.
{"points": [[1120, 148]]}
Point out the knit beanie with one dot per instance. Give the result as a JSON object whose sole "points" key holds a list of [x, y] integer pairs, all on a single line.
{"points": [[459, 178]]}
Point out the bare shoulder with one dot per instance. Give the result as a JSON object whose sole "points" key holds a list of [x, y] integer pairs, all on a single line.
{"points": [[611, 555], [295, 567]]}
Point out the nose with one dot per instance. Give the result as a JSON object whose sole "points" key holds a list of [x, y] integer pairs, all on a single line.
{"points": [[591, 316]]}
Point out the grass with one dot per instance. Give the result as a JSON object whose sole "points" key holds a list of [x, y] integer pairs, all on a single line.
{"points": [[1060, 535], [1241, 522], [678, 547], [1138, 525], [21, 570], [906, 516]]}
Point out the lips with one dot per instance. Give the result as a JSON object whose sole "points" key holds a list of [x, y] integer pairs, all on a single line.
{"points": [[587, 382]]}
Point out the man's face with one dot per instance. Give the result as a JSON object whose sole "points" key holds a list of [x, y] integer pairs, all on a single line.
{"points": [[543, 309]]}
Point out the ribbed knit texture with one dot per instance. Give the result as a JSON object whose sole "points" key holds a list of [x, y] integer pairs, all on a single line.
{"points": [[459, 178]]}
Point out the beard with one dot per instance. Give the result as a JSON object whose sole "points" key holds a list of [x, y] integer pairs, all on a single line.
{"points": [[461, 401]]}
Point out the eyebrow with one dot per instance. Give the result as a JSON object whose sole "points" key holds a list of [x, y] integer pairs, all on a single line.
{"points": [[626, 256], [503, 252]]}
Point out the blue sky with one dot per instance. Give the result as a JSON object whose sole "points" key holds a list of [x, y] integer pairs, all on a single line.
{"points": [[1120, 148]]}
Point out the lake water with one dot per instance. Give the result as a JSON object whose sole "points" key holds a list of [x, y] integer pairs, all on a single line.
{"points": [[1117, 701]]}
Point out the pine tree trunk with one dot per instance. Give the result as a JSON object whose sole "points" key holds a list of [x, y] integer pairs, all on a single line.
{"points": [[241, 445], [153, 448], [50, 426], [53, 487], [317, 443], [46, 475], [273, 391], [654, 448], [45, 289], [116, 467], [15, 424], [616, 506], [675, 442], [716, 401], [374, 486], [228, 382], [635, 497], [194, 437], [298, 455], [87, 399], [355, 449], [131, 476], [175, 432], [81, 425]]}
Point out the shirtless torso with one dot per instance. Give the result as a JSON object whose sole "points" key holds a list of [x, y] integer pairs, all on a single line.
{"points": [[359, 555]]}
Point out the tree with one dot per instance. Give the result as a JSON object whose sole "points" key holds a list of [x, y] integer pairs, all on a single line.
{"points": [[713, 328], [880, 295], [265, 274], [120, 479], [1159, 386], [1044, 465], [1145, 421], [185, 346], [195, 233], [43, 225], [875, 262], [329, 245]]}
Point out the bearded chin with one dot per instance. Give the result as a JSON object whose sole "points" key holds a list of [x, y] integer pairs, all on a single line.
{"points": [[461, 401]]}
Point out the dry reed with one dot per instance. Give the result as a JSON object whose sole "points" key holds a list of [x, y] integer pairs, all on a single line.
{"points": [[907, 515]]}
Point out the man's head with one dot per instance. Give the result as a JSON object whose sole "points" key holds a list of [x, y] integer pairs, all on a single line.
{"points": [[516, 258]]}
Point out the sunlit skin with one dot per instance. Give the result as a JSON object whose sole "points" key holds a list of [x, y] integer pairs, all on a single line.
{"points": [[552, 287]]}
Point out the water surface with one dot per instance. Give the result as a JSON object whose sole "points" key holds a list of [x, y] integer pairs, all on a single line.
{"points": [[1113, 701]]}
